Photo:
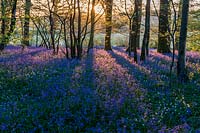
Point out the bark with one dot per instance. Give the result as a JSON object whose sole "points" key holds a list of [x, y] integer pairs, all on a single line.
{"points": [[134, 30], [163, 35], [108, 17], [37, 35], [138, 18], [51, 20], [6, 34], [91, 41], [72, 44], [181, 66], [3, 24], [145, 43], [65, 39], [178, 25], [79, 48], [26, 23]]}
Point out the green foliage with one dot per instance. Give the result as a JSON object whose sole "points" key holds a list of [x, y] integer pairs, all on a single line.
{"points": [[193, 42]]}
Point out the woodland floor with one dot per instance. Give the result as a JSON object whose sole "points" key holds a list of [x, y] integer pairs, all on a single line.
{"points": [[103, 92]]}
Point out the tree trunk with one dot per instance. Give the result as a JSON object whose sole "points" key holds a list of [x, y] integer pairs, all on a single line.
{"points": [[134, 30], [181, 66], [52, 32], [26, 23], [65, 39], [72, 40], [163, 35], [138, 18], [130, 38], [108, 17], [178, 25], [79, 47], [91, 41], [37, 35], [3, 24], [6, 35], [145, 43]]}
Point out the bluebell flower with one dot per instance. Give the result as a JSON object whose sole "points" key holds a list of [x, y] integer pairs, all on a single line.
{"points": [[3, 126], [188, 111]]}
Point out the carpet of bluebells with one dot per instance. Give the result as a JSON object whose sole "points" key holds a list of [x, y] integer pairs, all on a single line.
{"points": [[105, 91]]}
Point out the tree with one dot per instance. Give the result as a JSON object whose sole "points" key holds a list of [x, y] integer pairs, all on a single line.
{"points": [[135, 29], [138, 20], [145, 43], [6, 31], [181, 65], [108, 21], [91, 41], [126, 8], [133, 11], [26, 23], [178, 24], [78, 25], [163, 35]]}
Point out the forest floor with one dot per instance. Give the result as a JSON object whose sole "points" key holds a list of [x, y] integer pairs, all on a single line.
{"points": [[104, 92]]}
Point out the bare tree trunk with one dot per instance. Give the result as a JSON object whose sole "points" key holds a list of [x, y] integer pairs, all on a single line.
{"points": [[79, 47], [130, 48], [178, 25], [130, 35], [91, 41], [44, 39], [108, 17], [52, 32], [3, 24], [145, 42], [134, 30], [72, 43], [37, 35], [65, 39], [181, 66], [163, 35], [26, 23], [139, 19]]}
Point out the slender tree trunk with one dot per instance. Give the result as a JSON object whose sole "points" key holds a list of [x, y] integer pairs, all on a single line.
{"points": [[52, 32], [130, 48], [13, 19], [108, 17], [39, 32], [134, 30], [65, 39], [181, 66], [145, 42], [139, 19], [178, 25], [26, 23], [129, 42], [91, 41], [37, 35], [163, 35], [79, 47], [72, 40], [3, 24]]}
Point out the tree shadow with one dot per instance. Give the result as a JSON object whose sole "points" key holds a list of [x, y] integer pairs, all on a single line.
{"points": [[40, 94], [135, 70], [82, 93], [16, 53]]}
